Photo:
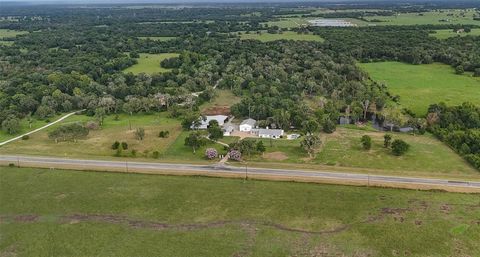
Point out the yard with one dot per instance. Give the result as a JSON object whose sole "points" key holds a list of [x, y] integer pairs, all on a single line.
{"points": [[150, 63], [51, 213], [421, 85]]}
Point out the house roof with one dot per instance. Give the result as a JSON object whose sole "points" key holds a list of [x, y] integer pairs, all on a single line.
{"points": [[270, 132], [249, 121]]}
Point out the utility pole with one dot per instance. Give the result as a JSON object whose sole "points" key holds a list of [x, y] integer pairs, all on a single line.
{"points": [[246, 171], [18, 162], [126, 165]]}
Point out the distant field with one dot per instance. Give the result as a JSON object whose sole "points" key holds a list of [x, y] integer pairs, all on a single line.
{"points": [[447, 33], [434, 17], [6, 43], [295, 22], [421, 85], [158, 38], [150, 63], [287, 35], [7, 33], [70, 213]]}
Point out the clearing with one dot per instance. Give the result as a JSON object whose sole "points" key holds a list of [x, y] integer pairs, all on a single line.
{"points": [[150, 63], [145, 215], [287, 35], [421, 85], [448, 33], [158, 38]]}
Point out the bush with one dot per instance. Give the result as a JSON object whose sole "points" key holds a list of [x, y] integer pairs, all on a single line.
{"points": [[387, 140], [235, 155], [115, 145], [118, 153], [211, 153], [140, 133], [399, 147], [92, 125], [156, 154], [124, 145], [163, 134], [25, 137], [366, 142], [133, 153]]}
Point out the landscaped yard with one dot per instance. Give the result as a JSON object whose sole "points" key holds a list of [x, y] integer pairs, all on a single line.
{"points": [[150, 63], [448, 33], [70, 213], [287, 35], [421, 85]]}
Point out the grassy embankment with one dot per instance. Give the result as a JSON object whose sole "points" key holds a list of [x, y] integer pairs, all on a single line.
{"points": [[70, 213], [150, 63], [421, 85]]}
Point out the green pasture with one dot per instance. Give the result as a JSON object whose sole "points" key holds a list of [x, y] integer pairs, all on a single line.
{"points": [[287, 35], [440, 17], [448, 33], [150, 63], [421, 85], [70, 213]]}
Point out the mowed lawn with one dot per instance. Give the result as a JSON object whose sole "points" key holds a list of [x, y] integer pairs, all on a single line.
{"points": [[97, 145], [25, 127], [70, 213], [443, 17], [287, 35], [448, 33], [421, 85], [150, 63], [343, 151]]}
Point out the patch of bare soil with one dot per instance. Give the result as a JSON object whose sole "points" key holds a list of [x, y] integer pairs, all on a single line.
{"points": [[276, 156], [10, 251], [217, 110], [114, 219], [26, 218]]}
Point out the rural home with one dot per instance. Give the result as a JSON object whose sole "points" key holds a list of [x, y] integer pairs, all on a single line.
{"points": [[205, 121], [247, 125], [228, 129], [268, 133]]}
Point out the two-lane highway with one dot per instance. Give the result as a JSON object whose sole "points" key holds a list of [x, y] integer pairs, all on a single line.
{"points": [[224, 170]]}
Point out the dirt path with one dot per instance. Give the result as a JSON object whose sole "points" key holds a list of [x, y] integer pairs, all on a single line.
{"points": [[38, 129]]}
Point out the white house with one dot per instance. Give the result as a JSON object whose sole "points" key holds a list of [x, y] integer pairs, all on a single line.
{"points": [[228, 129], [268, 133], [204, 122], [247, 125]]}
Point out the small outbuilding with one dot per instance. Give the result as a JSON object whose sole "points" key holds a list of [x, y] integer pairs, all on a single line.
{"points": [[268, 133]]}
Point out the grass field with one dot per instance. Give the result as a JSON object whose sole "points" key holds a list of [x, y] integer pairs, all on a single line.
{"points": [[448, 33], [434, 17], [7, 33], [421, 85], [158, 38], [25, 127], [70, 213], [150, 63], [342, 149], [98, 142], [287, 35], [295, 22]]}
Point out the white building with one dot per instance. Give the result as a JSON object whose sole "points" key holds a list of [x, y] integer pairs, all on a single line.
{"points": [[268, 133], [204, 122], [247, 125], [228, 129]]}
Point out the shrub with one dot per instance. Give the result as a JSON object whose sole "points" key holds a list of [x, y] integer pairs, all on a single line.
{"points": [[163, 134], [140, 133], [92, 125], [124, 145], [387, 140], [115, 145], [211, 153], [133, 153], [156, 154], [118, 153], [366, 142], [25, 137], [235, 155], [399, 147]]}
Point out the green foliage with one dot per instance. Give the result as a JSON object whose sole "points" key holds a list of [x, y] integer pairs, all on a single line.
{"points": [[115, 145], [164, 134], [11, 125], [68, 132], [366, 142], [124, 145], [156, 154], [260, 147], [399, 147], [310, 143], [214, 131], [195, 140], [387, 140]]}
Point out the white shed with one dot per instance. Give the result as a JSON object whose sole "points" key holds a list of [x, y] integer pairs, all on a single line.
{"points": [[247, 125]]}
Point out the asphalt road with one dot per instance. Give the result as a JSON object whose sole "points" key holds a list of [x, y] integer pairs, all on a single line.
{"points": [[230, 170]]}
